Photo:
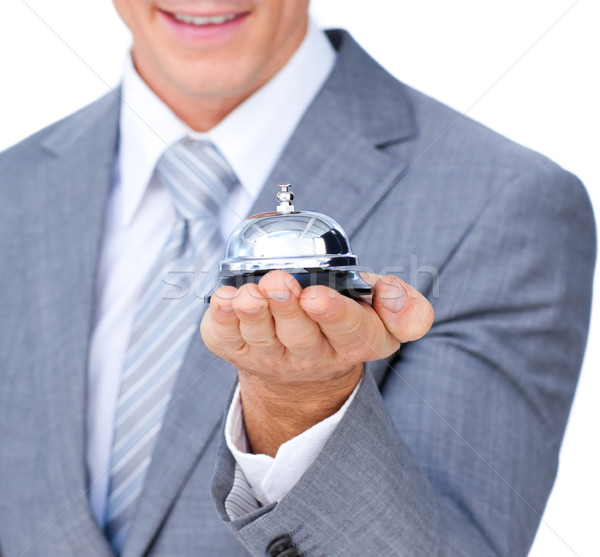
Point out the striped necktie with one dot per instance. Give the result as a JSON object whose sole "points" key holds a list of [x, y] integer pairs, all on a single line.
{"points": [[167, 316]]}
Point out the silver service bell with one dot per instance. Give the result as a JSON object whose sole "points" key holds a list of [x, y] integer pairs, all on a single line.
{"points": [[311, 246]]}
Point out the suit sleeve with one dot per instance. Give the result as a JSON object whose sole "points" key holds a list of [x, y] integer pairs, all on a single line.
{"points": [[451, 447]]}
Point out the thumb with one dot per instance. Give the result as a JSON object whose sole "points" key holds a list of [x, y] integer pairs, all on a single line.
{"points": [[406, 313]]}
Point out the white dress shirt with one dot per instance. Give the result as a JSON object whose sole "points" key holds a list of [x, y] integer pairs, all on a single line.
{"points": [[140, 216], [271, 478]]}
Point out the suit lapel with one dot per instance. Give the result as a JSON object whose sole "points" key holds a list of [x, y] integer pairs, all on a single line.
{"points": [[337, 158], [345, 181], [69, 235], [67, 231]]}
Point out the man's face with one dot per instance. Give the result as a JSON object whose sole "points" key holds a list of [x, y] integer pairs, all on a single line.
{"points": [[212, 49]]}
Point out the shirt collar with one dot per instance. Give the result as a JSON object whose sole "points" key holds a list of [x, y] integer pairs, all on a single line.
{"points": [[148, 126]]}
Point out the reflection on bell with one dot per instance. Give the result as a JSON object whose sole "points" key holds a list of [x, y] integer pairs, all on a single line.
{"points": [[311, 246]]}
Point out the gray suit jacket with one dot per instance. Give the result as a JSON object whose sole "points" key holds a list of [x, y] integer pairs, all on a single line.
{"points": [[450, 448]]}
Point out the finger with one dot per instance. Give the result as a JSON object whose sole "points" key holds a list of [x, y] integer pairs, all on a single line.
{"points": [[220, 325], [353, 329], [299, 333], [256, 322], [405, 311]]}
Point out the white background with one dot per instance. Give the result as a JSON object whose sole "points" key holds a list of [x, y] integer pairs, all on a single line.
{"points": [[527, 68]]}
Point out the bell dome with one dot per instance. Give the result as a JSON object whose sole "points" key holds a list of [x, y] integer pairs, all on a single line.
{"points": [[310, 245]]}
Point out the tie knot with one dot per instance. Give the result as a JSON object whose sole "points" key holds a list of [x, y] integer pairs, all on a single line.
{"points": [[198, 177]]}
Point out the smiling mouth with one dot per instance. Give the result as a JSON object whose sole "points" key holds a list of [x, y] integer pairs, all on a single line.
{"points": [[205, 21]]}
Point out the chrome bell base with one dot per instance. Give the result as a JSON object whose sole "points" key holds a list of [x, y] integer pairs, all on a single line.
{"points": [[348, 283]]}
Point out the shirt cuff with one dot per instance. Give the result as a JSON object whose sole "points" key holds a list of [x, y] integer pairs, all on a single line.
{"points": [[270, 478]]}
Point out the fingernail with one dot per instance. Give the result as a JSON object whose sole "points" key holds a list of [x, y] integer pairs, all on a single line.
{"points": [[394, 297], [279, 295], [226, 309]]}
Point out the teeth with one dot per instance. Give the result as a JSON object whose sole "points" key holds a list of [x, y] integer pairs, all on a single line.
{"points": [[201, 20]]}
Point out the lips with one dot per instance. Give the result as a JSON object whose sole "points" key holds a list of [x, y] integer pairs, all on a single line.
{"points": [[195, 20], [204, 20], [195, 27]]}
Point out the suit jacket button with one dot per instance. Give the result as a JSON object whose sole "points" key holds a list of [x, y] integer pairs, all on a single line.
{"points": [[279, 544]]}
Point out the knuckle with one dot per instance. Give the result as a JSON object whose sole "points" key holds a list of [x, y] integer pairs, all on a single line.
{"points": [[258, 338], [237, 354], [287, 313], [298, 347], [262, 342]]}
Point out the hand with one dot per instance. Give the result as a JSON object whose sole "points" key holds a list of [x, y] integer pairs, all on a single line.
{"points": [[300, 353]]}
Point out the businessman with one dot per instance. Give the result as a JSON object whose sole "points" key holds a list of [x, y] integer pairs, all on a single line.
{"points": [[277, 420]]}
